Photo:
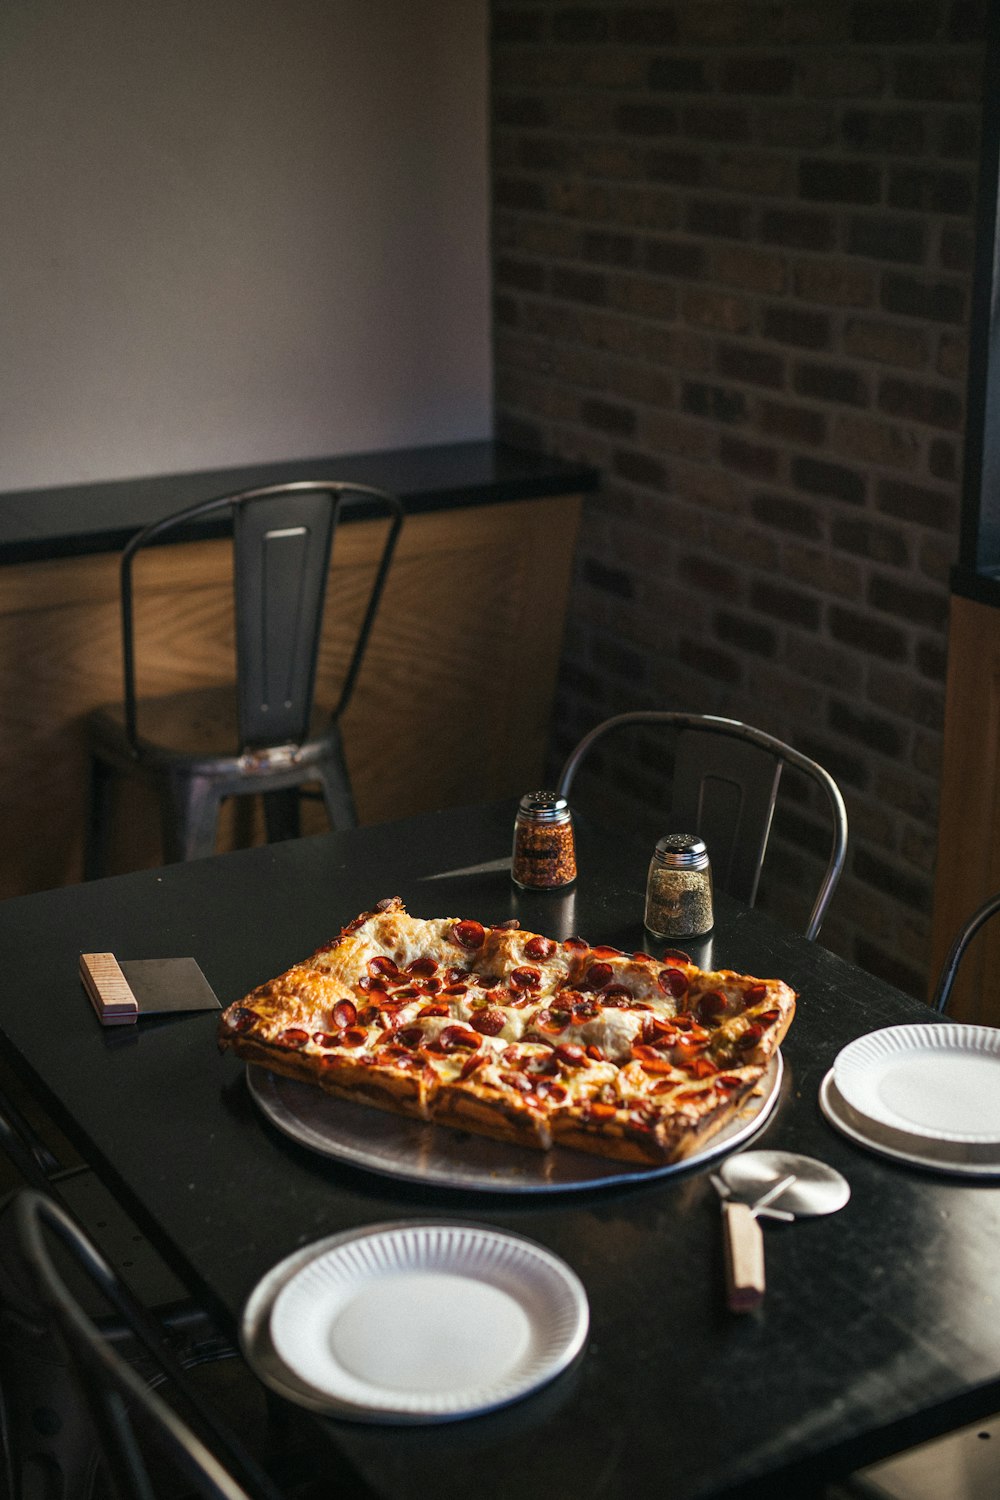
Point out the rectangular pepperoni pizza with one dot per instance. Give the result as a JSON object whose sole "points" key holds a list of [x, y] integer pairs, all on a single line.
{"points": [[518, 1036]]}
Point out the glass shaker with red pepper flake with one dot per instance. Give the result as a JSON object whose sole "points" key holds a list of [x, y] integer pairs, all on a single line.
{"points": [[544, 855]]}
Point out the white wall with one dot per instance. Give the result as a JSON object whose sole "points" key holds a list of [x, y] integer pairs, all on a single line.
{"points": [[238, 231]]}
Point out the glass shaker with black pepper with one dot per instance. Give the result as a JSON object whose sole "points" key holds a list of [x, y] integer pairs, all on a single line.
{"points": [[679, 888], [544, 856]]}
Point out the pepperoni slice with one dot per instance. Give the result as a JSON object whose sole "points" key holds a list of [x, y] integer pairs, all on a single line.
{"points": [[471, 1063], [455, 989], [433, 1010], [701, 1067], [673, 982], [367, 1015], [659, 1033], [410, 1036], [539, 948], [511, 925], [726, 1083], [294, 1036], [651, 1060], [669, 953], [551, 1021], [585, 1010], [455, 975], [524, 979], [396, 1057], [489, 1021], [422, 968], [596, 1054], [578, 944], [383, 967], [551, 1091], [689, 1043], [756, 993], [344, 1014], [598, 1111], [325, 1039], [469, 935], [453, 1038], [570, 1055], [354, 1036], [604, 950], [519, 1081], [598, 975], [616, 992], [241, 1019], [750, 1038], [711, 1006]]}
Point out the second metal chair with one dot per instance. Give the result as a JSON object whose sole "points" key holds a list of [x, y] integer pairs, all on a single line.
{"points": [[258, 735], [723, 786]]}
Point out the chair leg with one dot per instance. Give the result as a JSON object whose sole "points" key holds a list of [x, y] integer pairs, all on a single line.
{"points": [[98, 825], [189, 815], [281, 815], [331, 773]]}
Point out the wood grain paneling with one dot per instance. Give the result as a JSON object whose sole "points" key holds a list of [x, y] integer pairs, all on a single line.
{"points": [[453, 703], [968, 860]]}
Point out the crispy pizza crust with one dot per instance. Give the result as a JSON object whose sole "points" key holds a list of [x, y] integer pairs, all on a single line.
{"points": [[515, 1036]]}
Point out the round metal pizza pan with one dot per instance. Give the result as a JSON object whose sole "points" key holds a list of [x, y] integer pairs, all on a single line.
{"points": [[436, 1156]]}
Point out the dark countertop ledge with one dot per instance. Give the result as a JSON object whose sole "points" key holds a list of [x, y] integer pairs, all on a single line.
{"points": [[101, 517]]}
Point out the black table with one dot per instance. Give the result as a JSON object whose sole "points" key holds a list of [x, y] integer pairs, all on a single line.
{"points": [[881, 1324]]}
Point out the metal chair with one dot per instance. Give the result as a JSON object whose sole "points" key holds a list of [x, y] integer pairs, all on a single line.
{"points": [[136, 1427], [43, 1432], [724, 785], [946, 978], [257, 736]]}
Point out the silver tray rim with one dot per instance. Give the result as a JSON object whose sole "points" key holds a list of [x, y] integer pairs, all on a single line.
{"points": [[437, 1156]]}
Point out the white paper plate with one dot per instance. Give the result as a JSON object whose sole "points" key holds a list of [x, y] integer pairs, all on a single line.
{"points": [[958, 1158], [428, 1321], [932, 1081]]}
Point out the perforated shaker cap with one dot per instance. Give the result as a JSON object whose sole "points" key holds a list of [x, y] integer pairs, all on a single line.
{"points": [[682, 851], [544, 807]]}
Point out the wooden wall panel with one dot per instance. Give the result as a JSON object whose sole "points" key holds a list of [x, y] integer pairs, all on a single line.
{"points": [[968, 862], [452, 706]]}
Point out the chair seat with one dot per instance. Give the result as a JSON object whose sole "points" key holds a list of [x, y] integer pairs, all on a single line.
{"points": [[194, 725]]}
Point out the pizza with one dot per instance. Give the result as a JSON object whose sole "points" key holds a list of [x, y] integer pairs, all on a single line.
{"points": [[517, 1036]]}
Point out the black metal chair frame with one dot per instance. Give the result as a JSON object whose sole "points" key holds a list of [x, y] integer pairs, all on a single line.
{"points": [[205, 1453], [949, 970], [712, 749], [35, 1375], [282, 540]]}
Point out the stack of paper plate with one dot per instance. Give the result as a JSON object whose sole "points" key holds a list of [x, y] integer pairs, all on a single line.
{"points": [[927, 1094], [415, 1322]]}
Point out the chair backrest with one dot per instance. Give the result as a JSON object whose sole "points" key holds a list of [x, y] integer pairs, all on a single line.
{"points": [[129, 1414], [282, 538], [724, 784], [949, 969]]}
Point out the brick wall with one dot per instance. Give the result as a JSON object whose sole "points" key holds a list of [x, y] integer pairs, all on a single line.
{"points": [[732, 250]]}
